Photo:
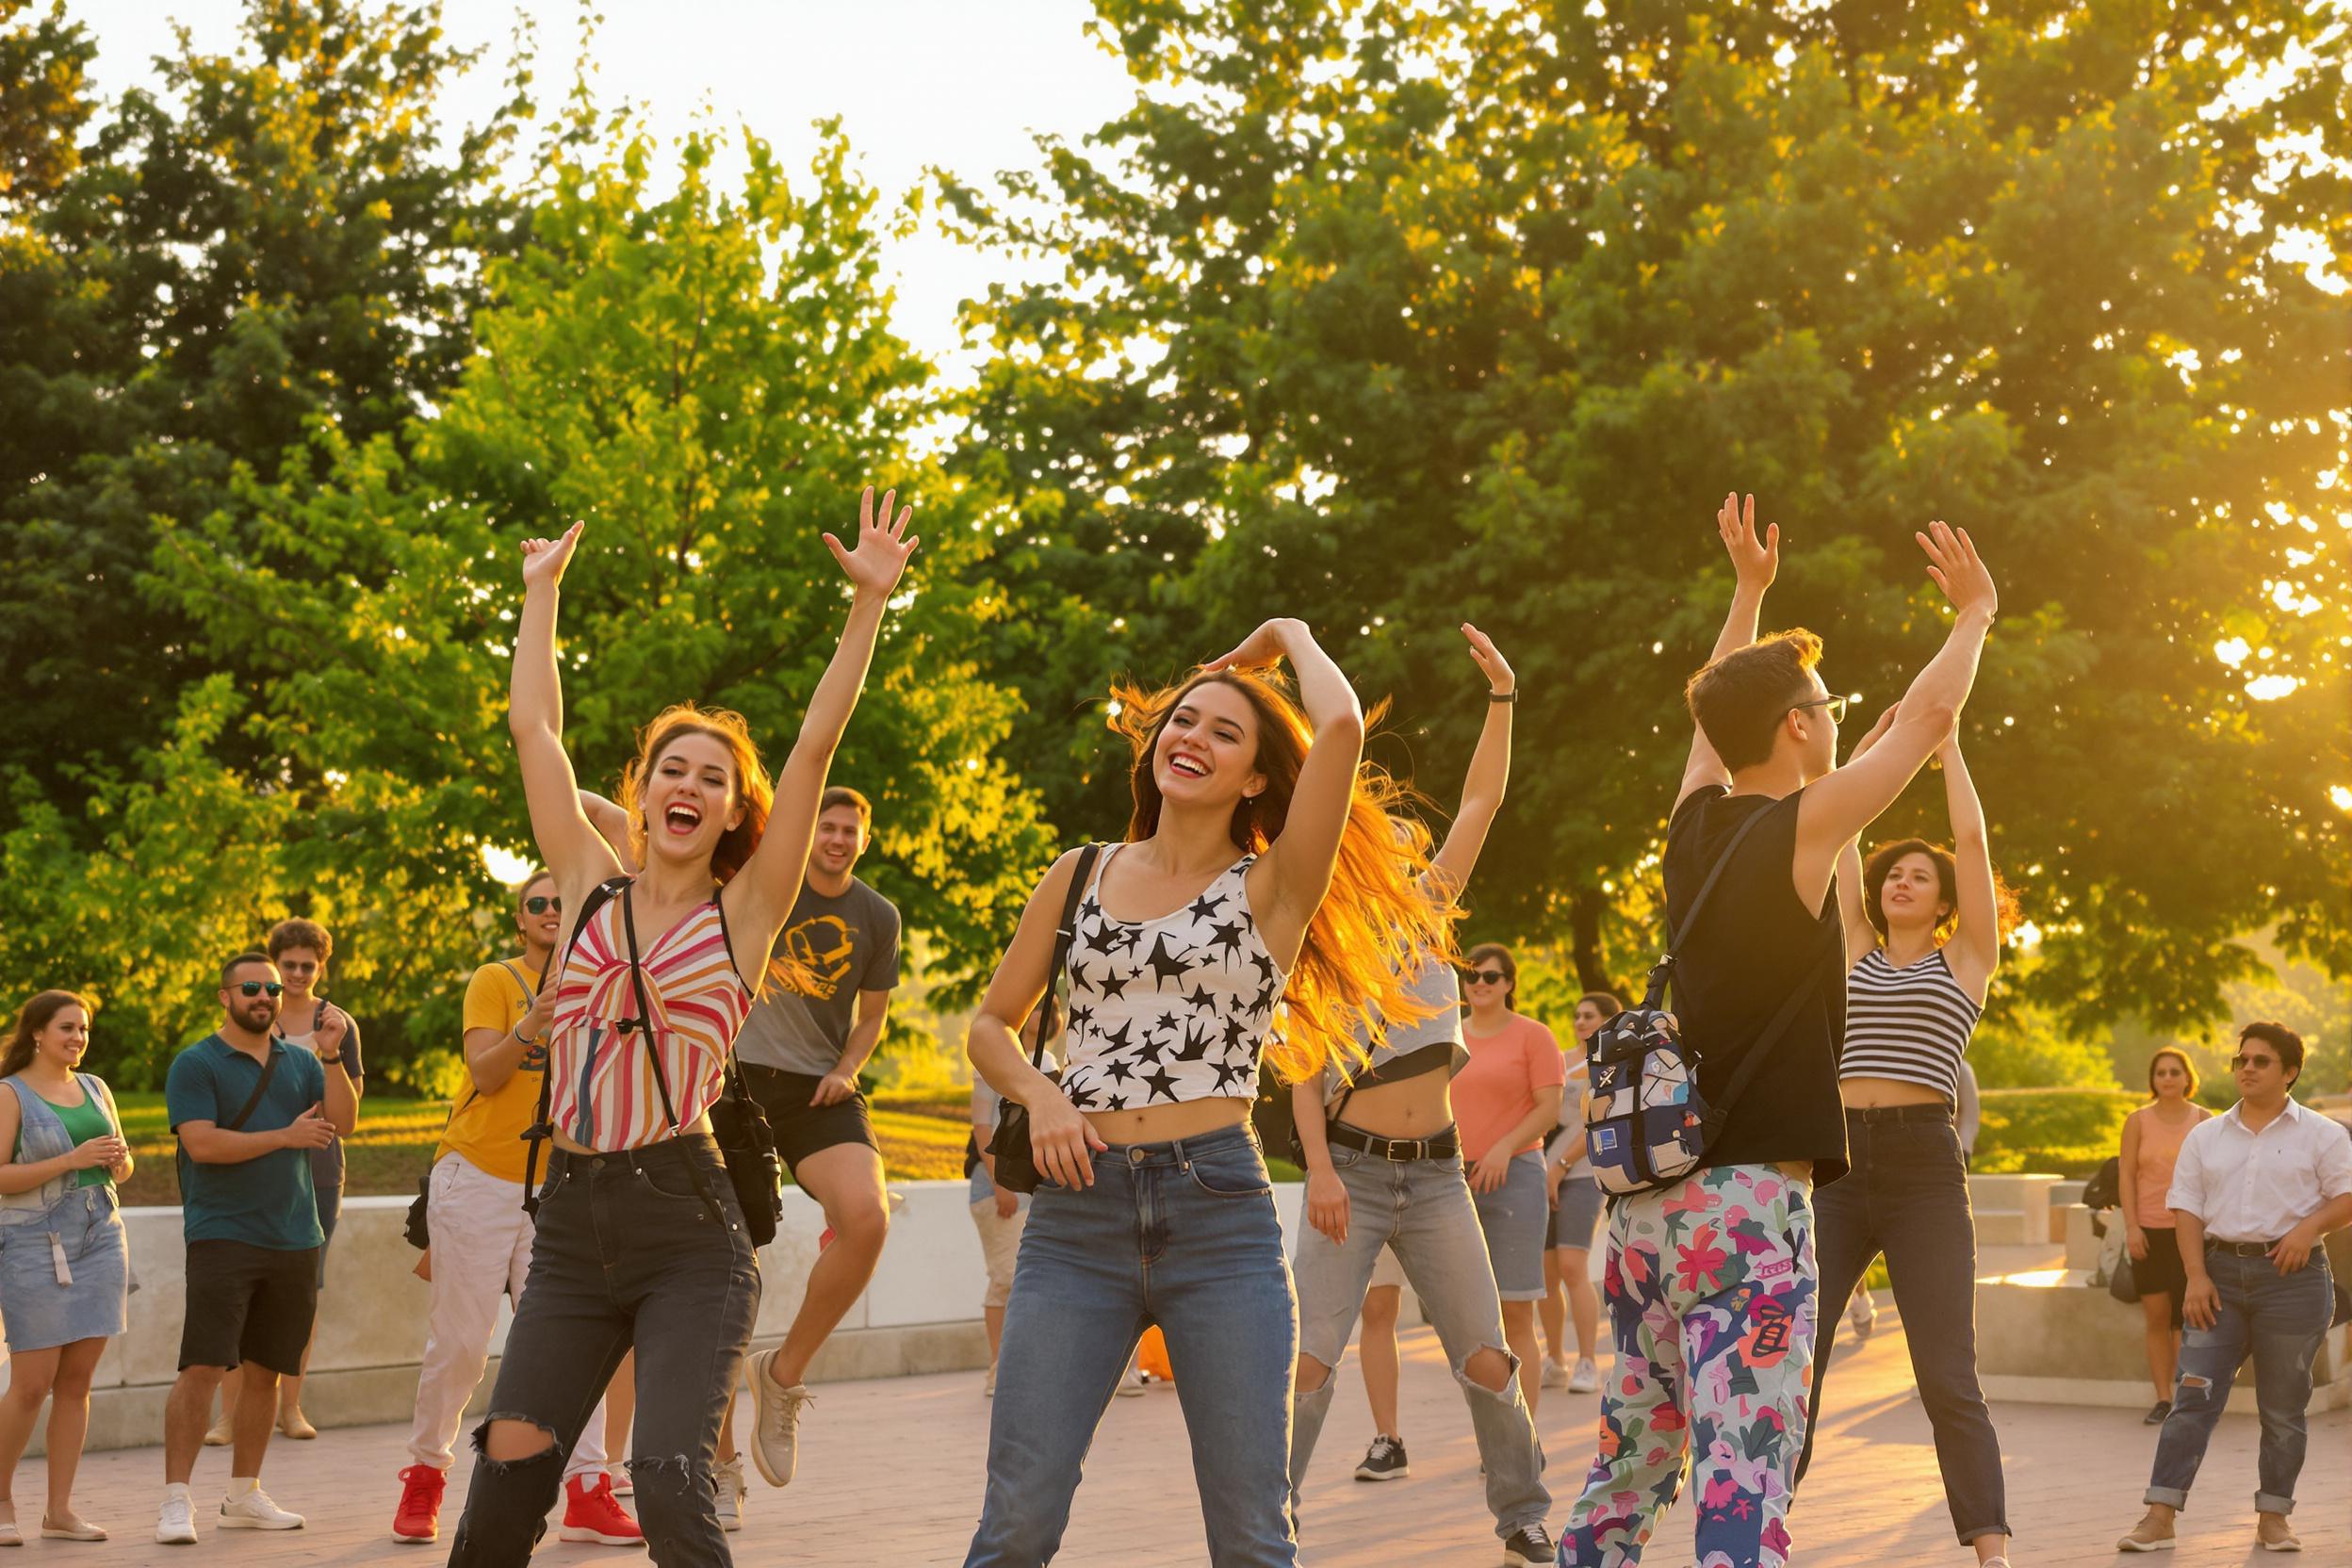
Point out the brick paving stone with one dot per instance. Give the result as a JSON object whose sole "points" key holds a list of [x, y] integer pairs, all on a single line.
{"points": [[890, 1472]]}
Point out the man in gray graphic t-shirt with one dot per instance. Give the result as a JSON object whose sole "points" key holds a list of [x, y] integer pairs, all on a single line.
{"points": [[818, 1020]]}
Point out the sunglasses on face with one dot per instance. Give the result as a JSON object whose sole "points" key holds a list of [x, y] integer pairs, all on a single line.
{"points": [[541, 905], [1837, 707], [254, 987], [2239, 1062], [1488, 976]]}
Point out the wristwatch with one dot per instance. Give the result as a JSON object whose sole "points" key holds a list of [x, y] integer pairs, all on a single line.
{"points": [[1512, 696]]}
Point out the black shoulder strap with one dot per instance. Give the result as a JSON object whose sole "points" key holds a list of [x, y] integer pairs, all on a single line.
{"points": [[1664, 969], [1057, 976], [261, 1086], [643, 1021], [540, 1131]]}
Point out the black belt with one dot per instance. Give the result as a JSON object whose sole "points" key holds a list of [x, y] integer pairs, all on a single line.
{"points": [[2240, 1248], [1438, 1147]]}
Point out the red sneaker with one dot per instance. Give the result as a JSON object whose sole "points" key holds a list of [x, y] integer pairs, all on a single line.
{"points": [[593, 1513], [418, 1517]]}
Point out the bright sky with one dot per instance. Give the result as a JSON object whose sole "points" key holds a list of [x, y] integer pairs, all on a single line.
{"points": [[955, 83]]}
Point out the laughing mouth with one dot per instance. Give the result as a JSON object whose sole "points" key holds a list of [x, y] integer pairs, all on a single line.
{"points": [[681, 819], [1191, 767]]}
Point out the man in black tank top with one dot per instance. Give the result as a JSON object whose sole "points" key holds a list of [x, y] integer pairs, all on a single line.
{"points": [[1734, 1241]]}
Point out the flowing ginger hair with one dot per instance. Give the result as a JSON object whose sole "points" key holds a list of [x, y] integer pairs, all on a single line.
{"points": [[1376, 926], [750, 788]]}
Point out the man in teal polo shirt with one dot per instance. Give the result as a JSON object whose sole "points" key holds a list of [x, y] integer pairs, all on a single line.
{"points": [[248, 1109]]}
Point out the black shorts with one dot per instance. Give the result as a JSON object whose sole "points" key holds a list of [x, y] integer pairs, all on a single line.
{"points": [[802, 1129], [2162, 1272], [249, 1304]]}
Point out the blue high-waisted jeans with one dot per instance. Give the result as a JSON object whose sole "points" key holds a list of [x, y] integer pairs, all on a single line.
{"points": [[1182, 1234]]}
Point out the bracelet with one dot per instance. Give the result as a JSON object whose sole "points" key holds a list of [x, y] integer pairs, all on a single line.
{"points": [[1512, 696], [335, 1060]]}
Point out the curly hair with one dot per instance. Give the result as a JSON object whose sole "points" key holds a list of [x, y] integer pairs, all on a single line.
{"points": [[750, 788], [1375, 926]]}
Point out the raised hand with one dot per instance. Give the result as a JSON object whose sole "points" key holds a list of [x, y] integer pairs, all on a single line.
{"points": [[335, 1026], [883, 544], [1756, 561], [1958, 570], [1264, 646], [1497, 669], [543, 560]]}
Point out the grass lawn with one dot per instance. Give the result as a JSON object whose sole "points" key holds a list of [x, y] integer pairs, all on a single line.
{"points": [[920, 1139]]}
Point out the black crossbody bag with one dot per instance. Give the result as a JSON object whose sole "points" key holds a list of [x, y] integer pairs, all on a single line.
{"points": [[237, 1122], [1015, 1157]]}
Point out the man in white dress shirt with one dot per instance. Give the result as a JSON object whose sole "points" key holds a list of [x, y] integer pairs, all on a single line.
{"points": [[2254, 1191]]}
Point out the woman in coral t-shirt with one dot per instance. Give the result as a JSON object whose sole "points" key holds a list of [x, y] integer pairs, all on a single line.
{"points": [[1504, 1103]]}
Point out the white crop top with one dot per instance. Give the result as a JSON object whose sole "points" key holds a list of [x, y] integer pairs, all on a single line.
{"points": [[1170, 1010]]}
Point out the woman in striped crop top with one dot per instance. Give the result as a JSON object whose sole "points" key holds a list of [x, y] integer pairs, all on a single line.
{"points": [[639, 1242], [1258, 870], [1916, 982]]}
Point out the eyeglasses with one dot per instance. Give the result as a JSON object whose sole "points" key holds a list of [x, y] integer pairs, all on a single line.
{"points": [[1488, 976], [2239, 1062], [1837, 707], [254, 987], [541, 905]]}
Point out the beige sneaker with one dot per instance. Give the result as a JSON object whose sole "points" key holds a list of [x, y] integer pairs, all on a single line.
{"points": [[2151, 1534], [2271, 1531], [775, 1422], [729, 1475]]}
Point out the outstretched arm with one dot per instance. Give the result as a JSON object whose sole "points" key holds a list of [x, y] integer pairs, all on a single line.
{"points": [[772, 880], [1754, 562], [1974, 951], [534, 715], [1297, 869], [1838, 807], [611, 826], [1489, 776], [1861, 937]]}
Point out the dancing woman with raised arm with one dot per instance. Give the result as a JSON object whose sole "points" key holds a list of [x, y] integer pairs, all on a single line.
{"points": [[1918, 971], [640, 1241], [1384, 1170], [1260, 867]]}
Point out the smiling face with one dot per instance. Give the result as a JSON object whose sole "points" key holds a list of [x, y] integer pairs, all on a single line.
{"points": [[304, 972], [689, 798], [65, 1039], [1206, 753], [254, 1014], [840, 839], [1912, 894], [539, 928]]}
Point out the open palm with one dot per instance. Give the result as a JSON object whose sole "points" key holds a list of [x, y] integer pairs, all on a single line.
{"points": [[883, 544], [1757, 560]]}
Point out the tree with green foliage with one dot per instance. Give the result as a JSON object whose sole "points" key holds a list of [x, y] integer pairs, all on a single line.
{"points": [[1396, 316], [707, 378]]}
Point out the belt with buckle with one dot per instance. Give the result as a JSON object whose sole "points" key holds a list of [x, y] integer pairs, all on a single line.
{"points": [[1438, 1145], [2240, 1248]]}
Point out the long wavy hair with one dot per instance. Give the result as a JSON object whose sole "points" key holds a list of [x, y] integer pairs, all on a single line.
{"points": [[752, 789], [32, 1018], [1376, 925]]}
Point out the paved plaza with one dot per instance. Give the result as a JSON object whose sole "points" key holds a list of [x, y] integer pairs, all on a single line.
{"points": [[891, 1473]]}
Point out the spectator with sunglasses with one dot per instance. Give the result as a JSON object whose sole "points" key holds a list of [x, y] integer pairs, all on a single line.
{"points": [[248, 1109], [2253, 1192], [481, 1238]]}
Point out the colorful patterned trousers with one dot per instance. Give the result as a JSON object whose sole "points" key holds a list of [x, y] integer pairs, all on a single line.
{"points": [[1712, 1298]]}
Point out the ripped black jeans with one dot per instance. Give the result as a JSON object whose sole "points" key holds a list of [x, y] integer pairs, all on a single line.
{"points": [[627, 1254]]}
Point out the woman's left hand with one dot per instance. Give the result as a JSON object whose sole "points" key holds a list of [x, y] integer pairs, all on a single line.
{"points": [[1499, 680], [1264, 646], [883, 545], [1489, 1173]]}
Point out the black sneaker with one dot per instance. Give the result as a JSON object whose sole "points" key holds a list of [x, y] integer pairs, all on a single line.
{"points": [[1384, 1461], [2157, 1413], [1530, 1548]]}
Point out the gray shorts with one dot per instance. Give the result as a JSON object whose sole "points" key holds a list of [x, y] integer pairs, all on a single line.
{"points": [[1578, 1213], [1512, 1219]]}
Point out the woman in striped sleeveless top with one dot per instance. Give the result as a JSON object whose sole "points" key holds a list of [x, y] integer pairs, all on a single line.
{"points": [[1916, 978], [640, 1242], [1260, 872]]}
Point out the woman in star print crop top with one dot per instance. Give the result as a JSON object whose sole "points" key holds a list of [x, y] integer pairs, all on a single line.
{"points": [[1260, 871]]}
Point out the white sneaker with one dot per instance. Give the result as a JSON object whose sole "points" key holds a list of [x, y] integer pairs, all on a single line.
{"points": [[254, 1511], [987, 1384], [1861, 1314], [1554, 1373], [775, 1422], [1587, 1377], [729, 1473], [176, 1524]]}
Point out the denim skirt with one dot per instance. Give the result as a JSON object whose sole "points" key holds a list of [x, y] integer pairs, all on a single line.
{"points": [[65, 1275]]}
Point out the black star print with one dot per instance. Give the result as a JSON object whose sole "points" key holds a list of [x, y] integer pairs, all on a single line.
{"points": [[1199, 997], [1119, 1039], [1206, 908], [1196, 1044], [1080, 1094], [1264, 964], [1236, 1034], [1166, 1023], [1227, 934], [1234, 1072], [1166, 964], [1120, 938], [1115, 1103], [1160, 1084], [1080, 1016], [1113, 983], [1263, 1001], [1117, 1071]]}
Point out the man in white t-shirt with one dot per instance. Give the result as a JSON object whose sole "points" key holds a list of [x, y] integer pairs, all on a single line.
{"points": [[2253, 1193]]}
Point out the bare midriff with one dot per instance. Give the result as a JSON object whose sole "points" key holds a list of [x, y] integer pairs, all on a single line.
{"points": [[1412, 1108], [1186, 1119], [570, 1145], [1872, 1094]]}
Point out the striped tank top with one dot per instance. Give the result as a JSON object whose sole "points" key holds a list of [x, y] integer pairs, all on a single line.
{"points": [[601, 1090], [1911, 1024]]}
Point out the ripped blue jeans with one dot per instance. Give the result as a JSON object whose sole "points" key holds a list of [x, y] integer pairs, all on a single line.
{"points": [[627, 1254]]}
